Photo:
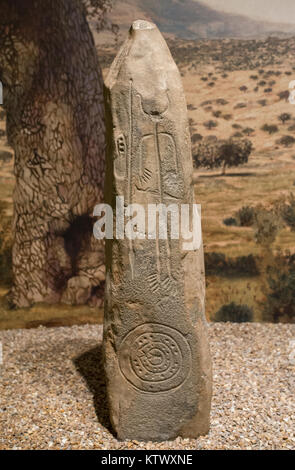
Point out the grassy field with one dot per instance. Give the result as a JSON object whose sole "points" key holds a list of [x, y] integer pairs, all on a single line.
{"points": [[268, 176], [46, 315], [238, 92]]}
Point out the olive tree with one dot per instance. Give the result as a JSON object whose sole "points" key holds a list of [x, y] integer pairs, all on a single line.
{"points": [[213, 153], [53, 97]]}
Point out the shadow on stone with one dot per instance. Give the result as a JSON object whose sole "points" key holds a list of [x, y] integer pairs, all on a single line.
{"points": [[90, 367]]}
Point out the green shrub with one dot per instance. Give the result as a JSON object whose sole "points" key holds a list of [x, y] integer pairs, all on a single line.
{"points": [[286, 141], [245, 216], [217, 264], [221, 101], [230, 222], [288, 212], [191, 107], [268, 224], [280, 303], [237, 135], [270, 128], [206, 103], [234, 313], [284, 117], [210, 124], [196, 138], [248, 131], [284, 95]]}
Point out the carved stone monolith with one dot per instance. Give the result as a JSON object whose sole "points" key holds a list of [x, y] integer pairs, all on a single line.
{"points": [[156, 352]]}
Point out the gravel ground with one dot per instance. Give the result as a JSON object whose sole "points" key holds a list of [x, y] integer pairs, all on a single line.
{"points": [[52, 392]]}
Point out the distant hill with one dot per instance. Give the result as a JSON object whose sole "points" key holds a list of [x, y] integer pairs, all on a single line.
{"points": [[191, 19]]}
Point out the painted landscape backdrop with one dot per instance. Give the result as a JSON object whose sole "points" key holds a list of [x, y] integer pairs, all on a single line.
{"points": [[236, 72]]}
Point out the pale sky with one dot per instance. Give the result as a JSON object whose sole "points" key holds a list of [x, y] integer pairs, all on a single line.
{"points": [[279, 11]]}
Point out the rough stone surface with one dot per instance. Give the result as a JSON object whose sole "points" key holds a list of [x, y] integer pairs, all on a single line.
{"points": [[157, 357], [53, 396]]}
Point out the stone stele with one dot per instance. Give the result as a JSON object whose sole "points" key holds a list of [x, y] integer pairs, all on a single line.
{"points": [[156, 352]]}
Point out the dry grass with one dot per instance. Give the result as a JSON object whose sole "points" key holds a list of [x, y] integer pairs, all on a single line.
{"points": [[47, 315], [269, 174]]}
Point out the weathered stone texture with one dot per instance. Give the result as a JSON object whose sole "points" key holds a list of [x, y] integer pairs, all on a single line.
{"points": [[155, 341]]}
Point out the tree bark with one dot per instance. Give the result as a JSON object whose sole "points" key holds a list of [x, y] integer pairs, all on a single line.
{"points": [[55, 123], [223, 169]]}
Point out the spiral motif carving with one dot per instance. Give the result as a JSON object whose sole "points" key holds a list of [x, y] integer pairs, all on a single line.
{"points": [[155, 358]]}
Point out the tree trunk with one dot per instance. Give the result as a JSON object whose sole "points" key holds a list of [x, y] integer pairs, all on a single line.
{"points": [[223, 169], [55, 124]]}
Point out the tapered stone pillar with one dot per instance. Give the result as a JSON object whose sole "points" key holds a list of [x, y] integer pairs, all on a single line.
{"points": [[157, 358]]}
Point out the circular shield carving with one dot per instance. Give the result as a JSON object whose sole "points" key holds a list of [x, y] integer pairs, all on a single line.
{"points": [[155, 358]]}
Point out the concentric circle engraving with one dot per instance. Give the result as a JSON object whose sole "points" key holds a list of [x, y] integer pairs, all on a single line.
{"points": [[154, 357]]}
